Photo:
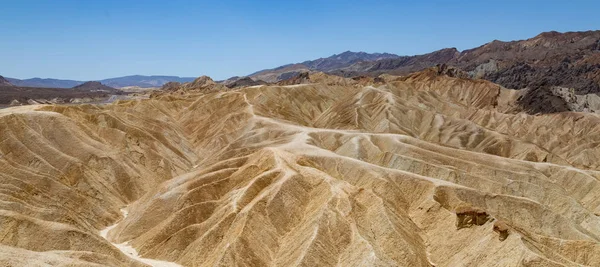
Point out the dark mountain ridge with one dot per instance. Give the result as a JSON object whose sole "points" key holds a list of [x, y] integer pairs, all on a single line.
{"points": [[4, 82], [94, 87], [328, 64]]}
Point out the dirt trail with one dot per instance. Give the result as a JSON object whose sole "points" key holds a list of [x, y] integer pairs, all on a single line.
{"points": [[131, 251]]}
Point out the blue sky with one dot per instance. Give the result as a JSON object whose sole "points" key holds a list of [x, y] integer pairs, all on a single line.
{"points": [[90, 40]]}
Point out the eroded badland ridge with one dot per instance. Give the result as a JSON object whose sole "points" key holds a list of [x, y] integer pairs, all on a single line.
{"points": [[429, 169]]}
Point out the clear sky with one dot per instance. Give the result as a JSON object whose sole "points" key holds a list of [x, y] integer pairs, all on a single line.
{"points": [[91, 40]]}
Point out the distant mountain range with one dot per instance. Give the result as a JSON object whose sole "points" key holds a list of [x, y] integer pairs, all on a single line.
{"points": [[569, 60], [44, 83], [331, 63], [119, 82]]}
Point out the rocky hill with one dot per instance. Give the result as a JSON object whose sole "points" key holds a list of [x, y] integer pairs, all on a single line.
{"points": [[94, 86]]}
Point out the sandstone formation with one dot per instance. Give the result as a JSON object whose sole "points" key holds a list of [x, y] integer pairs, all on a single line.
{"points": [[421, 170]]}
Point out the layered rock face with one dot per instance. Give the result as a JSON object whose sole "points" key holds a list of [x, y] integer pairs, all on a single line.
{"points": [[422, 170]]}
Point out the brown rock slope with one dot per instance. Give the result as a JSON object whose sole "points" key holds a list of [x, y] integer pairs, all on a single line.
{"points": [[424, 170]]}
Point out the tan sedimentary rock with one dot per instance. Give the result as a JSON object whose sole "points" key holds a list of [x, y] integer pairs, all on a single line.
{"points": [[316, 174]]}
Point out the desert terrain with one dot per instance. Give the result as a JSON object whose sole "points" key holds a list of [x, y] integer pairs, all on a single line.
{"points": [[427, 169]]}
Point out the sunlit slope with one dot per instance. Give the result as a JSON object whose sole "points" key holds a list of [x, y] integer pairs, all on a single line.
{"points": [[424, 170]]}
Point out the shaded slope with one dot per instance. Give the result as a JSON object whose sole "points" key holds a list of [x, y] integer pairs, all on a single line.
{"points": [[4, 82]]}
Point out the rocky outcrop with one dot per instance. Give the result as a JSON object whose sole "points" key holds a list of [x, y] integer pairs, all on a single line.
{"points": [[443, 69], [300, 78], [94, 87], [322, 78], [244, 82], [202, 84], [469, 216], [171, 86]]}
